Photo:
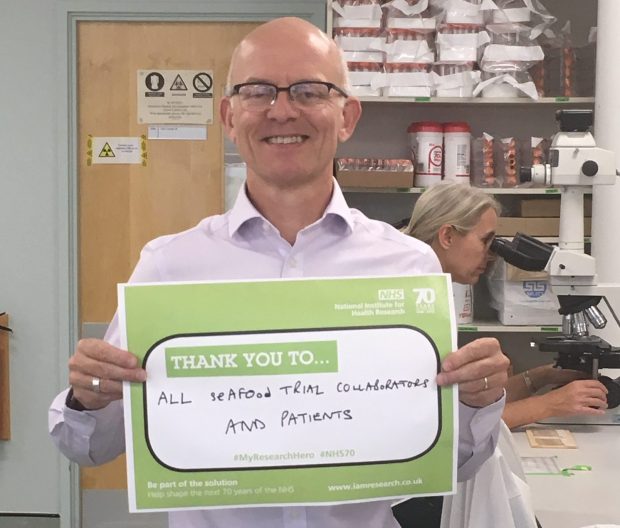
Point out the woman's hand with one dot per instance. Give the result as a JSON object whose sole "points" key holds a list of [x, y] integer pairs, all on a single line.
{"points": [[549, 375], [578, 397]]}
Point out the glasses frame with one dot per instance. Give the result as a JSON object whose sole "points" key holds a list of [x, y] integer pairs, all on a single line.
{"points": [[234, 90], [463, 232]]}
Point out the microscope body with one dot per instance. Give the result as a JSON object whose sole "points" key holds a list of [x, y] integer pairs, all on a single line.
{"points": [[575, 165]]}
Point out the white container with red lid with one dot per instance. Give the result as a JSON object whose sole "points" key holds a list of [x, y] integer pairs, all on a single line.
{"points": [[426, 141], [457, 152]]}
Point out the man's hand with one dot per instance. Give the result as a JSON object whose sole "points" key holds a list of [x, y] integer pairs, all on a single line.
{"points": [[578, 397], [479, 368], [94, 360]]}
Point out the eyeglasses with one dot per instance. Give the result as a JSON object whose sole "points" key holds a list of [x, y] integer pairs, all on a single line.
{"points": [[306, 94], [486, 240]]}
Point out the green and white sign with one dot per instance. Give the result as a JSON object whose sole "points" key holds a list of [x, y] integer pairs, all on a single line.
{"points": [[283, 392]]}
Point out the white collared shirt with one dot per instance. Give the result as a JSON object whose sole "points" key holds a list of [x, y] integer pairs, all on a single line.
{"points": [[242, 244]]}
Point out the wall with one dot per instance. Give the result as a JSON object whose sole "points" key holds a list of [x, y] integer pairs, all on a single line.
{"points": [[29, 259]]}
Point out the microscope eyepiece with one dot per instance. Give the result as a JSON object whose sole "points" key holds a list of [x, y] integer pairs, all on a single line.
{"points": [[575, 120], [523, 251]]}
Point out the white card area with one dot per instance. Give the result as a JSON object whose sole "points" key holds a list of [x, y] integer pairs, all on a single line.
{"points": [[387, 424]]}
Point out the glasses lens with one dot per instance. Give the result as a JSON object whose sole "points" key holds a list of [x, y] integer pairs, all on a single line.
{"points": [[309, 93], [257, 95]]}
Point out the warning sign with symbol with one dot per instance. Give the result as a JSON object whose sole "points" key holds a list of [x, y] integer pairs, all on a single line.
{"points": [[182, 97], [116, 150], [107, 152]]}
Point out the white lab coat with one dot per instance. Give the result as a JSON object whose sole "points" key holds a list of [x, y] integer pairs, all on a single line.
{"points": [[498, 495]]}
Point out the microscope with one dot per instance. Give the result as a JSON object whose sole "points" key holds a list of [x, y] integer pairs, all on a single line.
{"points": [[575, 165]]}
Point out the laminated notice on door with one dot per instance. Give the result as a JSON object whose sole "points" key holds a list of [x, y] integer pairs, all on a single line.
{"points": [[175, 96], [116, 150]]}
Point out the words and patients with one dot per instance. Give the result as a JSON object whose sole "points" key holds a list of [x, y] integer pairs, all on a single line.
{"points": [[288, 417]]}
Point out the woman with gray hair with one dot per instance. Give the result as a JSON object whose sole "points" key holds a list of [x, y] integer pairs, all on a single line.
{"points": [[458, 222]]}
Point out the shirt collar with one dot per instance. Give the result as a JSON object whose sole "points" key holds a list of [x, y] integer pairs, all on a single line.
{"points": [[244, 211], [338, 207]]}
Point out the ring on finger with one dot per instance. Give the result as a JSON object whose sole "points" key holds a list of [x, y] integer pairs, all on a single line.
{"points": [[486, 383], [95, 384]]}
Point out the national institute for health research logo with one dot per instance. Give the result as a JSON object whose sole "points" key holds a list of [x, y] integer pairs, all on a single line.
{"points": [[424, 298]]}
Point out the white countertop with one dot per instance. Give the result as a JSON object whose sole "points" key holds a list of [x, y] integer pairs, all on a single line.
{"points": [[587, 497]]}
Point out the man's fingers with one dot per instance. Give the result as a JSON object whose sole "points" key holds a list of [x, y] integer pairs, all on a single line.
{"points": [[480, 369], [106, 387], [107, 371], [476, 371], [483, 384], [476, 350], [101, 351], [94, 358]]}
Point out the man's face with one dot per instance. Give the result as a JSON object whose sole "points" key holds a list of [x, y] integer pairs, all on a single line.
{"points": [[286, 144], [469, 254]]}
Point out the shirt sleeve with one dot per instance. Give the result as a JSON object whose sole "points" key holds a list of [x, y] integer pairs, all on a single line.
{"points": [[478, 435], [89, 438]]}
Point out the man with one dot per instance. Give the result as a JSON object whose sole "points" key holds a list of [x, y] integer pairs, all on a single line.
{"points": [[286, 110]]}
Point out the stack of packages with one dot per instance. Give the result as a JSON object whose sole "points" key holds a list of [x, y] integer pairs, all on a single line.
{"points": [[423, 48], [409, 49], [568, 68], [460, 39], [496, 162], [374, 172], [513, 27], [358, 31], [418, 48]]}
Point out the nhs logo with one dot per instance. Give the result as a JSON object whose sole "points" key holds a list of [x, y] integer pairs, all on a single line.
{"points": [[392, 295]]}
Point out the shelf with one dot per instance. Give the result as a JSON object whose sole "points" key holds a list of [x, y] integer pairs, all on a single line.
{"points": [[482, 100], [489, 190], [486, 326]]}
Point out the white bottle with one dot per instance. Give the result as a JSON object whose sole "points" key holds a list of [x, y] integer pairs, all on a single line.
{"points": [[457, 152], [426, 139]]}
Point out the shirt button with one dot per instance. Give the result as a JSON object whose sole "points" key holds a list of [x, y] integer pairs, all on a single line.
{"points": [[292, 263]]}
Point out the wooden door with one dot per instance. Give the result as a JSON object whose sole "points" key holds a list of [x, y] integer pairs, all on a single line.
{"points": [[124, 206]]}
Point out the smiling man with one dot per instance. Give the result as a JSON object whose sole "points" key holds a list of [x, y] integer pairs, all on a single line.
{"points": [[286, 113], [287, 107]]}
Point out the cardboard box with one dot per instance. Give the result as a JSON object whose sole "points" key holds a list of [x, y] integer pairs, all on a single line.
{"points": [[523, 299], [539, 226], [376, 178], [549, 206]]}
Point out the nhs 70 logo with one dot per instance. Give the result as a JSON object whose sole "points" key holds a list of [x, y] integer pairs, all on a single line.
{"points": [[425, 300], [534, 289]]}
